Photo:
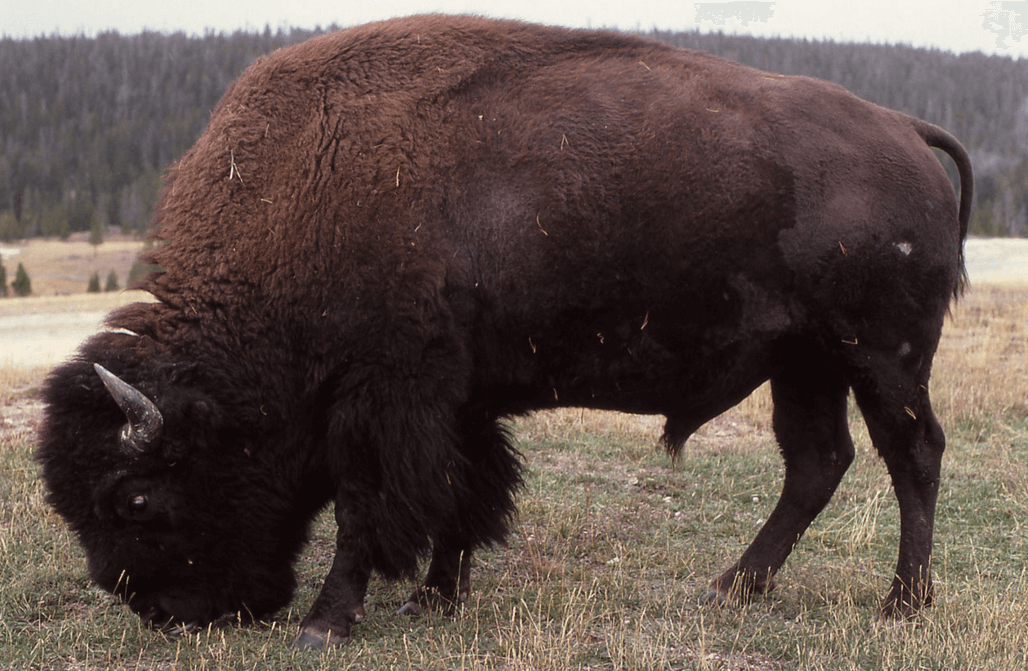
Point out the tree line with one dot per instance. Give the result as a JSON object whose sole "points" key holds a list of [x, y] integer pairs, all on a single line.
{"points": [[89, 124]]}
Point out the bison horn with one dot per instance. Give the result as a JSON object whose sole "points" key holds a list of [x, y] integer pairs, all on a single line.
{"points": [[144, 418]]}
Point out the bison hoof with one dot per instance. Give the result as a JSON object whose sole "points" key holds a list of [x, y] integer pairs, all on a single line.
{"points": [[430, 599], [713, 598], [181, 629], [903, 603], [311, 638], [897, 611], [411, 608]]}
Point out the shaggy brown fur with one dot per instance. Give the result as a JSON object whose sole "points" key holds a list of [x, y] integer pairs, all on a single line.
{"points": [[391, 237]]}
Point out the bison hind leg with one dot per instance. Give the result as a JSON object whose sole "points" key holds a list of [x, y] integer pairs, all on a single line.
{"points": [[907, 435], [810, 400], [490, 477]]}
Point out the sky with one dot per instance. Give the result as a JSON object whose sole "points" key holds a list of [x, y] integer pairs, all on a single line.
{"points": [[990, 26]]}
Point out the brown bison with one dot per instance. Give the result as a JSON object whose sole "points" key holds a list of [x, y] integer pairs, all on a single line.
{"points": [[393, 237]]}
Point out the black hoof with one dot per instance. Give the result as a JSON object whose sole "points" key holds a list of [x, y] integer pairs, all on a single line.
{"points": [[411, 608], [181, 629], [713, 598], [312, 639]]}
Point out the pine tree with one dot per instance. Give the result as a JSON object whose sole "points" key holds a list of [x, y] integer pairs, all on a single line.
{"points": [[96, 234], [114, 212], [22, 285], [94, 284], [3, 280], [10, 227], [112, 282]]}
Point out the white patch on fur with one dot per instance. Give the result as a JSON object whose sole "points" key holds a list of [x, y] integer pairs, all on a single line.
{"points": [[905, 349], [905, 248]]}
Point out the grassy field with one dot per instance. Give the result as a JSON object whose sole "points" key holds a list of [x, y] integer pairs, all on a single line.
{"points": [[614, 545], [58, 268]]}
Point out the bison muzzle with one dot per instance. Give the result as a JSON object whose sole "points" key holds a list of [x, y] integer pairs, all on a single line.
{"points": [[391, 238]]}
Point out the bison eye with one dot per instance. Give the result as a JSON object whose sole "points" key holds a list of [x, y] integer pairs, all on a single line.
{"points": [[137, 503]]}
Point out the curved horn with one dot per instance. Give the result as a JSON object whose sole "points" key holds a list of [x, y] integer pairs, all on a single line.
{"points": [[145, 421]]}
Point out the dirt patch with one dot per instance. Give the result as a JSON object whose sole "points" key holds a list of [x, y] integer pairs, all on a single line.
{"points": [[45, 331]]}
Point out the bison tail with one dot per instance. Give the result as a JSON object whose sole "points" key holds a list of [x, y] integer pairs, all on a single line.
{"points": [[941, 139]]}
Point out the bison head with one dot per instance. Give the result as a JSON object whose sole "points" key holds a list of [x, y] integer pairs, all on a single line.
{"points": [[171, 496]]}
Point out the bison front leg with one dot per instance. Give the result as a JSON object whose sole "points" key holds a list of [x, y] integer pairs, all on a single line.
{"points": [[483, 507], [811, 428], [447, 583], [340, 605]]}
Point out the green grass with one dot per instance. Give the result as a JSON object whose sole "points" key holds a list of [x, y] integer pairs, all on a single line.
{"points": [[614, 545], [604, 571]]}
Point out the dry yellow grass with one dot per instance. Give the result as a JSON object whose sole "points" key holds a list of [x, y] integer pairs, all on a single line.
{"points": [[58, 267], [981, 369], [14, 380], [39, 305]]}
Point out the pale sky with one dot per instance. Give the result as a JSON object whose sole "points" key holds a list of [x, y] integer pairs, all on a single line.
{"points": [[953, 25]]}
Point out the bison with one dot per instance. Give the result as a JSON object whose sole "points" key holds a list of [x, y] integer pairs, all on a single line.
{"points": [[391, 238]]}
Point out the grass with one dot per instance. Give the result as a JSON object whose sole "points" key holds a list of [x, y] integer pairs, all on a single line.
{"points": [[103, 302], [614, 545], [59, 267]]}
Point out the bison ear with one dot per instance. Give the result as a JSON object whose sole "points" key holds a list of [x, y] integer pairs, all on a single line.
{"points": [[144, 418]]}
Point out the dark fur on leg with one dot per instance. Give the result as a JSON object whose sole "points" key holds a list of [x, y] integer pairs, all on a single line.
{"points": [[492, 475]]}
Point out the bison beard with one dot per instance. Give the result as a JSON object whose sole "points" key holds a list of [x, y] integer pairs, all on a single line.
{"points": [[393, 237]]}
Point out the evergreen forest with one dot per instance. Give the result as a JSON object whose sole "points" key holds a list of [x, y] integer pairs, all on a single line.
{"points": [[89, 124]]}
